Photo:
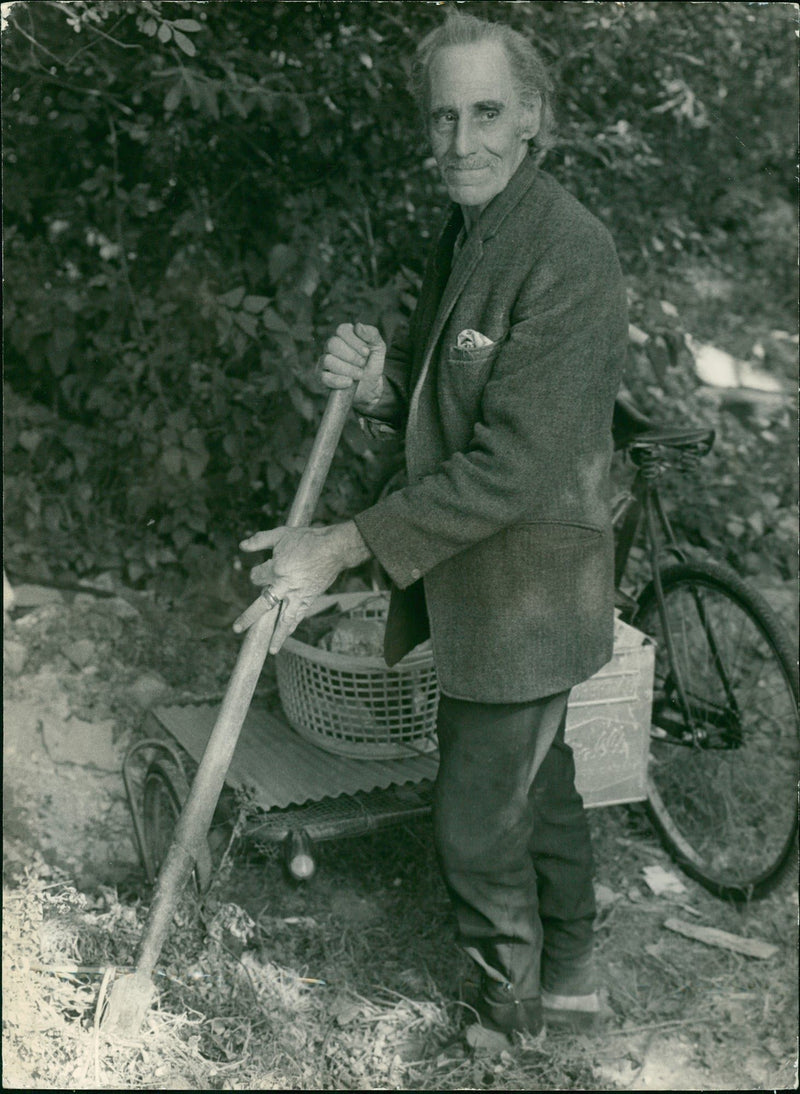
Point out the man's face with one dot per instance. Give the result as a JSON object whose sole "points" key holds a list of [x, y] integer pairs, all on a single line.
{"points": [[478, 127]]}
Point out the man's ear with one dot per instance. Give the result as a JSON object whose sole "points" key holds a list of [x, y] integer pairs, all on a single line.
{"points": [[531, 120]]}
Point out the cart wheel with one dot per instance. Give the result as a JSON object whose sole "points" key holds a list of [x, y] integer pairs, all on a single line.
{"points": [[165, 792]]}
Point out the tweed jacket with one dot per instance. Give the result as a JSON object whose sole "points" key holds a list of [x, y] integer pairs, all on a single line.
{"points": [[502, 538]]}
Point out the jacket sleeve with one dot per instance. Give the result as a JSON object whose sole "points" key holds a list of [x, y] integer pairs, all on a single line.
{"points": [[541, 441]]}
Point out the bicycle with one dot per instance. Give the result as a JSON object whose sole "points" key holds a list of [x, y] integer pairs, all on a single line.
{"points": [[724, 739]]}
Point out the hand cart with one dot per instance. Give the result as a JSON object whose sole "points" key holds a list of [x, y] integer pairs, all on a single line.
{"points": [[303, 794]]}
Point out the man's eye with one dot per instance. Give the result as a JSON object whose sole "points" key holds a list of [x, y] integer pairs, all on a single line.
{"points": [[490, 115]]}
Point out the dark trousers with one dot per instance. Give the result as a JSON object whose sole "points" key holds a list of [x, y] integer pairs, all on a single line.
{"points": [[513, 844]]}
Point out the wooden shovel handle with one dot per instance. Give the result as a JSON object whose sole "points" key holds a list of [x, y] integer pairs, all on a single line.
{"points": [[195, 819]]}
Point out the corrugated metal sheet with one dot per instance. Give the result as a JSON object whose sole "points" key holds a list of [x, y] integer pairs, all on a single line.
{"points": [[608, 727], [280, 767]]}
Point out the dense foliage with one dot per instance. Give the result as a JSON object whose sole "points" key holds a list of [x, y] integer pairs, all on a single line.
{"points": [[196, 193]]}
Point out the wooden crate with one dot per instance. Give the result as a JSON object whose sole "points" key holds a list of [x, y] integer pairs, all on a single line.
{"points": [[608, 723]]}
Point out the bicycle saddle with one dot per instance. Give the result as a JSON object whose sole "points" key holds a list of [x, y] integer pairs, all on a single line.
{"points": [[630, 427], [628, 422]]}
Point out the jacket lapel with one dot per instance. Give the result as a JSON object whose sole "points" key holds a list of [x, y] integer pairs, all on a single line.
{"points": [[468, 258], [433, 287], [445, 291]]}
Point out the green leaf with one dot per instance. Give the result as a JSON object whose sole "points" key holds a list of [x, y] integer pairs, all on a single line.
{"points": [[191, 26], [164, 32], [179, 420], [272, 321], [281, 259], [52, 517], [195, 464], [195, 92], [173, 97], [247, 323], [150, 28], [185, 44], [233, 298], [198, 522], [208, 97], [29, 439], [171, 459], [756, 522], [182, 537], [135, 571], [255, 303], [235, 99], [193, 440], [275, 476], [302, 404]]}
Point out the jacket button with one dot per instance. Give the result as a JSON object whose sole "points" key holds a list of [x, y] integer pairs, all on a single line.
{"points": [[415, 573]]}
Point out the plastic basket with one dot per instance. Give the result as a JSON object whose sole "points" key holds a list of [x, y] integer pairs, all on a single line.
{"points": [[357, 706]]}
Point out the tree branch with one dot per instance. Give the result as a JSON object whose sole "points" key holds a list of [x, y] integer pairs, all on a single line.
{"points": [[96, 92], [38, 45]]}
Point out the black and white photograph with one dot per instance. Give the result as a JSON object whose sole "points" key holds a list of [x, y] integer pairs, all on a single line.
{"points": [[400, 556]]}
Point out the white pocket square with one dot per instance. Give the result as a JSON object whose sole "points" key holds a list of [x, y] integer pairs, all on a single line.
{"points": [[472, 339]]}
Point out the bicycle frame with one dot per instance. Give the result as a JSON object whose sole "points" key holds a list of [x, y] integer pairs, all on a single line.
{"points": [[644, 500]]}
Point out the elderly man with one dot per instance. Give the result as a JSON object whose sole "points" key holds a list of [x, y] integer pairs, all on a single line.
{"points": [[500, 546]]}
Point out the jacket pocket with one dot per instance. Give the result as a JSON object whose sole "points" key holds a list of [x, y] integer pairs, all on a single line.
{"points": [[477, 356], [556, 535]]}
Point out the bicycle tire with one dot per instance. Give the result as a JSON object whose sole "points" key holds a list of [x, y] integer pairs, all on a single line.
{"points": [[724, 799], [164, 794]]}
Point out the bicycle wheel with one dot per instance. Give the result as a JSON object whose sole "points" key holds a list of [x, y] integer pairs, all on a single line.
{"points": [[164, 794], [722, 777]]}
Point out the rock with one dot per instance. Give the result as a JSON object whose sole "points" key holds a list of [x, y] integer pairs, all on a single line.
{"points": [[485, 1040], [661, 881], [107, 582], [149, 690], [88, 744], [84, 602], [605, 896], [39, 617], [720, 369], [34, 596], [80, 653], [14, 656], [121, 608]]}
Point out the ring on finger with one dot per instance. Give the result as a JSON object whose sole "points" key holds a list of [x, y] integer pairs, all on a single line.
{"points": [[269, 596]]}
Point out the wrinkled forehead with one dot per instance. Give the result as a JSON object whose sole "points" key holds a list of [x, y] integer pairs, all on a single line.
{"points": [[462, 75]]}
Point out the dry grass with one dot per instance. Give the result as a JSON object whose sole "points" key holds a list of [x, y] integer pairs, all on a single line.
{"points": [[351, 982], [351, 991]]}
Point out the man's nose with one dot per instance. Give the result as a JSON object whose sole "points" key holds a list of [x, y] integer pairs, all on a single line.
{"points": [[464, 138]]}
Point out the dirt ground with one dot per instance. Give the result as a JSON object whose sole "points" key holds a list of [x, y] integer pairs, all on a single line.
{"points": [[350, 981]]}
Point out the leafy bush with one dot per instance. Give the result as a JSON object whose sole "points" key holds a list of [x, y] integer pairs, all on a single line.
{"points": [[196, 194]]}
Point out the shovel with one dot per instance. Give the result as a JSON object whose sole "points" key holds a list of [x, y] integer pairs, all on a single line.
{"points": [[131, 995]]}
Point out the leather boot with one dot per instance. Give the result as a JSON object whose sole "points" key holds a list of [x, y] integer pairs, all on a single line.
{"points": [[500, 1009]]}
